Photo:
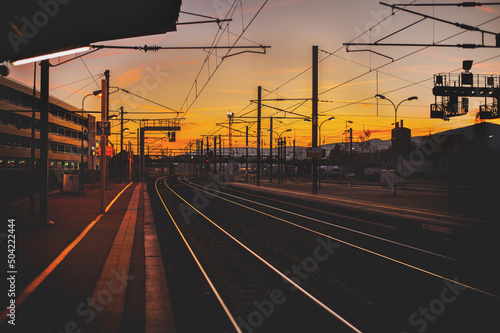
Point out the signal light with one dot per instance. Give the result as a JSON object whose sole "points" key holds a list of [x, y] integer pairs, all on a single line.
{"points": [[467, 79]]}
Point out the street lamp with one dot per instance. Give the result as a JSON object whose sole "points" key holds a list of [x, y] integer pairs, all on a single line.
{"points": [[331, 118], [412, 98], [283, 154], [279, 135], [279, 152], [95, 93]]}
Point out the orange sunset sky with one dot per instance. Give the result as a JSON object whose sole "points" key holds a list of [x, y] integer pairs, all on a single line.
{"points": [[290, 27]]}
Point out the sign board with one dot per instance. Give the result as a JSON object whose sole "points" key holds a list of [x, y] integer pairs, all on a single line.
{"points": [[314, 152], [110, 150], [103, 128]]}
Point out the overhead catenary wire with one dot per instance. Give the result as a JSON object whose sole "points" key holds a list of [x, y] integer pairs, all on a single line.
{"points": [[78, 81], [215, 41], [147, 99], [320, 61], [195, 84], [357, 77]]}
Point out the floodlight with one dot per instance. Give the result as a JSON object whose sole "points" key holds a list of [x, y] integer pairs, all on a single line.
{"points": [[467, 65], [50, 56]]}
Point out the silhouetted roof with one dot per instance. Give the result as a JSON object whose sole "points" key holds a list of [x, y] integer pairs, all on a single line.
{"points": [[30, 28]]}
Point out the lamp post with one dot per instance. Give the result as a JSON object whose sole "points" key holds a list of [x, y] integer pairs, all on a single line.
{"points": [[95, 93], [121, 139], [283, 153], [320, 144], [413, 98], [319, 130], [279, 156]]}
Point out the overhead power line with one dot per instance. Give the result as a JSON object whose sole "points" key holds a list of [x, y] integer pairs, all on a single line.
{"points": [[216, 40], [146, 99]]}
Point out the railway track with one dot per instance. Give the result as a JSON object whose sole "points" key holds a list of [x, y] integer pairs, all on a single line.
{"points": [[266, 295], [276, 269]]}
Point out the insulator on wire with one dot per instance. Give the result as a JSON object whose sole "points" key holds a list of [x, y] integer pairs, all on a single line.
{"points": [[470, 4]]}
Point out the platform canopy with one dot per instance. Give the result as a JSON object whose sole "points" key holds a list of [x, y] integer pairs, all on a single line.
{"points": [[33, 28]]}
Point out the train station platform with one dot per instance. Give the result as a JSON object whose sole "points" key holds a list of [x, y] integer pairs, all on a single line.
{"points": [[89, 271], [428, 204]]}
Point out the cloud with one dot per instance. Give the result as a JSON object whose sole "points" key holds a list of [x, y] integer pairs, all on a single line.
{"points": [[130, 77], [278, 71], [488, 9], [234, 91]]}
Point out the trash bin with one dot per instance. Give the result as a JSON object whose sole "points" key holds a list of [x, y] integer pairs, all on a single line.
{"points": [[71, 183]]}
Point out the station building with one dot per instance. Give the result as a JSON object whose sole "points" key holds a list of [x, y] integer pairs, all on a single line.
{"points": [[67, 128]]}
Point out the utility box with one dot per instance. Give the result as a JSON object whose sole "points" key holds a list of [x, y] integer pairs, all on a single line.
{"points": [[71, 183]]}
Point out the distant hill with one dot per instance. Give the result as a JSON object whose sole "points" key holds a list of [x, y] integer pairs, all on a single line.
{"points": [[491, 130], [469, 132]]}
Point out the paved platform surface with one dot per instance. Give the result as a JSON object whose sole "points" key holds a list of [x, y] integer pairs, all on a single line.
{"points": [[429, 204], [88, 272]]}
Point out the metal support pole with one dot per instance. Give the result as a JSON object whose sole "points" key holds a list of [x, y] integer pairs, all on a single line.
{"points": [[259, 114], [280, 144], [284, 159], [271, 149], [220, 153], [44, 141], [196, 160], [350, 156], [130, 162], [314, 118], [190, 158], [81, 157], [294, 158], [33, 147], [246, 154], [202, 165], [121, 145], [106, 75], [208, 164], [394, 143], [102, 144], [319, 160], [92, 170], [215, 154]]}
